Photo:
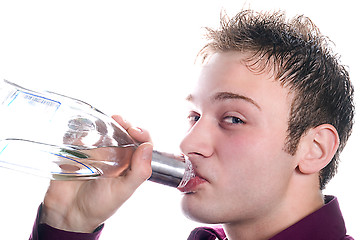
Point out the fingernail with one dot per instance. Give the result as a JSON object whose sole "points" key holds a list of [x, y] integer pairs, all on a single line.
{"points": [[139, 130]]}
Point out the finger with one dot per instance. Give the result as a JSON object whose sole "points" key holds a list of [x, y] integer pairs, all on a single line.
{"points": [[139, 134], [120, 120]]}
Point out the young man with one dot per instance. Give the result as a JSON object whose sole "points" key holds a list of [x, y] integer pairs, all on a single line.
{"points": [[272, 110]]}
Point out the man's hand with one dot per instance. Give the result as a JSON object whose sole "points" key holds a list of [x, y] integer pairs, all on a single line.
{"points": [[81, 206]]}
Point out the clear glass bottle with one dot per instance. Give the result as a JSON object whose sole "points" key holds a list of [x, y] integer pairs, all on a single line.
{"points": [[52, 135]]}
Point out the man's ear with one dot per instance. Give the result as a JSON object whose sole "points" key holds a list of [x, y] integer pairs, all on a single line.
{"points": [[318, 147]]}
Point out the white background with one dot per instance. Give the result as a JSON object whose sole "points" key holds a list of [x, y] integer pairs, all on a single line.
{"points": [[135, 58]]}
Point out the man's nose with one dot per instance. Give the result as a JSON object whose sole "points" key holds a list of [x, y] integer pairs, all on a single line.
{"points": [[199, 139]]}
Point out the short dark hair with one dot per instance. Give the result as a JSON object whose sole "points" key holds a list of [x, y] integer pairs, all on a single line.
{"points": [[303, 61]]}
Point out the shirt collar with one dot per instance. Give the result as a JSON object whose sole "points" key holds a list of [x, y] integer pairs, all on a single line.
{"points": [[325, 223]]}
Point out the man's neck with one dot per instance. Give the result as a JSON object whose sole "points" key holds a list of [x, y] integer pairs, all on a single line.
{"points": [[297, 204]]}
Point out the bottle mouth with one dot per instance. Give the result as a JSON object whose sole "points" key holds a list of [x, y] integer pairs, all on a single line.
{"points": [[188, 174]]}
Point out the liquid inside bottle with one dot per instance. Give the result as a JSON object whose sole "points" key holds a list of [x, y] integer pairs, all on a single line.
{"points": [[64, 163]]}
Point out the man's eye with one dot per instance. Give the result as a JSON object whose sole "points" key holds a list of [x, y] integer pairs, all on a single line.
{"points": [[233, 120], [193, 118]]}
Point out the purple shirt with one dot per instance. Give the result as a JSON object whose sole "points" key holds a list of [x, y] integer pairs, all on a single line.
{"points": [[326, 223], [46, 232]]}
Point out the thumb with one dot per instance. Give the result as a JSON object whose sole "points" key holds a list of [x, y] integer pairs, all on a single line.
{"points": [[140, 169]]}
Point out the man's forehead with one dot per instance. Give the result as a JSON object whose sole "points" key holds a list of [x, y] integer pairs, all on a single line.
{"points": [[227, 76]]}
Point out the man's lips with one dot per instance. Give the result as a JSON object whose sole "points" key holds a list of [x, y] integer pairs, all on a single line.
{"points": [[192, 184]]}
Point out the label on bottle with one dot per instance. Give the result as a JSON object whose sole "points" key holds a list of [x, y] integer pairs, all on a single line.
{"points": [[24, 100], [37, 111]]}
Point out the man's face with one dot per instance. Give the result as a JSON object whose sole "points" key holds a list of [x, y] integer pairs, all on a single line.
{"points": [[238, 129]]}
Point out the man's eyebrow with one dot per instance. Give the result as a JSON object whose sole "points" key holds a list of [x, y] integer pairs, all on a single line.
{"points": [[230, 95]]}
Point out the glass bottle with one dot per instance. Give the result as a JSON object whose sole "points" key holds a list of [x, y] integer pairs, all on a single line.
{"points": [[62, 138]]}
